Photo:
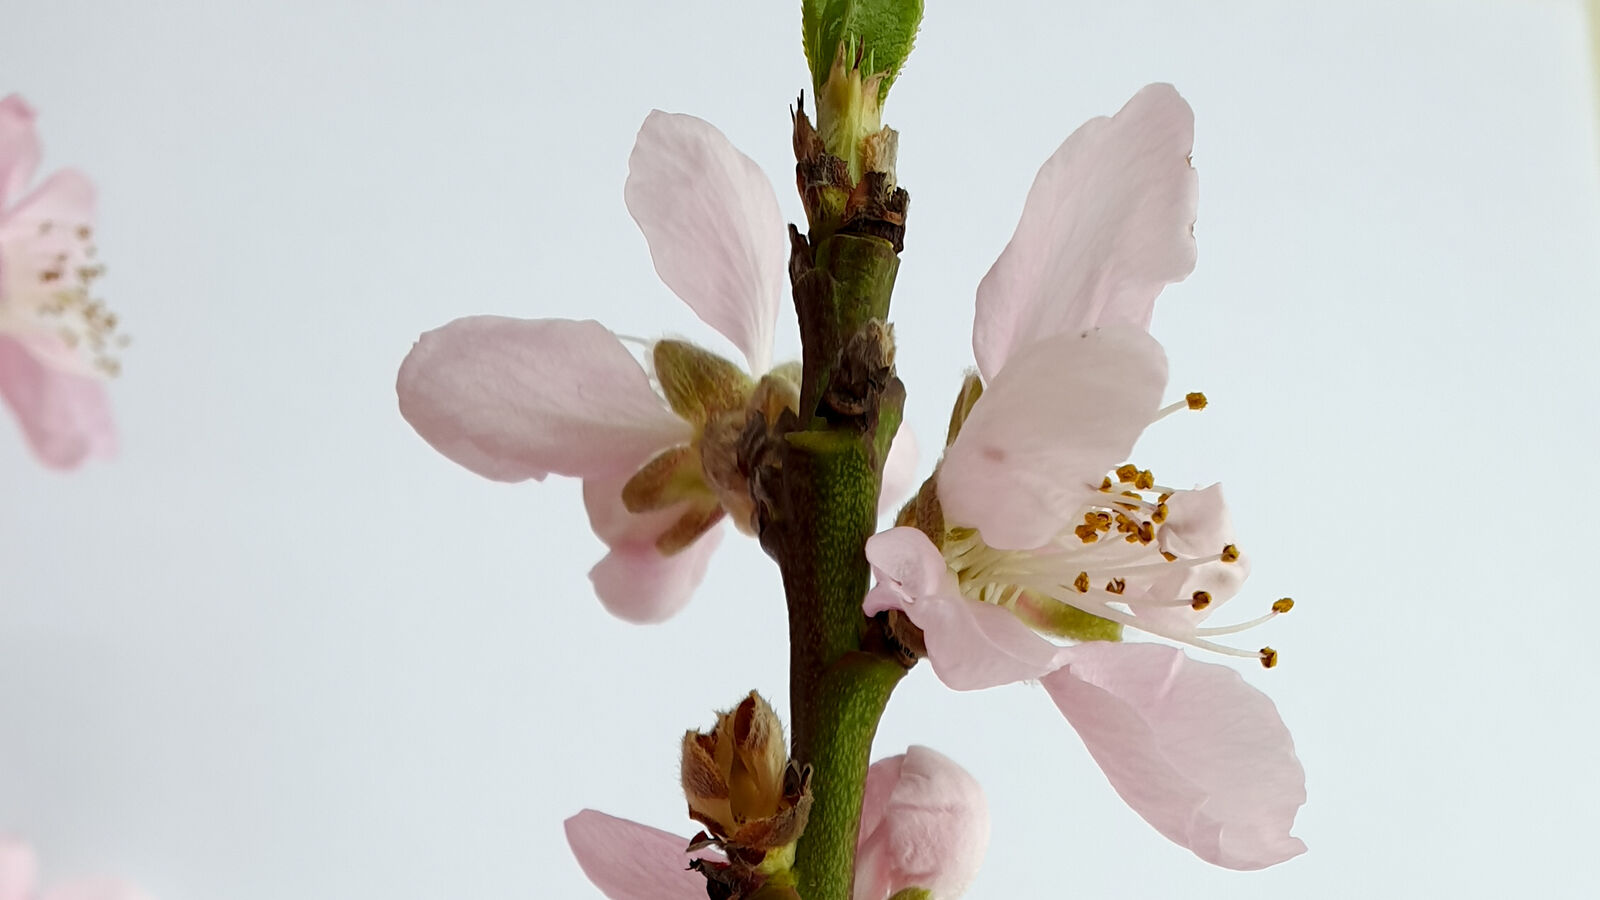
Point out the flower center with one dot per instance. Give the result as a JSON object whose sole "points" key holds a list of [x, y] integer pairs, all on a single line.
{"points": [[47, 283], [1117, 564]]}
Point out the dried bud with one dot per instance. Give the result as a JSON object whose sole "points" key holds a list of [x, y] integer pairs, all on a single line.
{"points": [[971, 390], [740, 784]]}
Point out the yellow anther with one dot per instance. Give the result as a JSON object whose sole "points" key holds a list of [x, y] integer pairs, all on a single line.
{"points": [[1202, 599], [1196, 400], [1160, 515], [1283, 605], [1164, 497], [1169, 557], [1087, 533], [1269, 657], [1147, 533], [1105, 483], [1230, 553], [1145, 480], [1099, 519], [1082, 582], [1116, 586], [1127, 472]]}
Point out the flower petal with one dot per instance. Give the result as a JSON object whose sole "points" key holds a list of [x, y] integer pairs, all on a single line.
{"points": [[629, 861], [924, 823], [65, 416], [971, 645], [65, 199], [1108, 222], [1197, 752], [712, 222], [1048, 427], [19, 148], [513, 399], [634, 581], [19, 870], [899, 471]]}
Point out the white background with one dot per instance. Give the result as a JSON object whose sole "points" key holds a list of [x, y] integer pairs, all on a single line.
{"points": [[280, 648]]}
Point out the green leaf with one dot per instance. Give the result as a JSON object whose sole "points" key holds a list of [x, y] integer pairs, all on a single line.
{"points": [[880, 31]]}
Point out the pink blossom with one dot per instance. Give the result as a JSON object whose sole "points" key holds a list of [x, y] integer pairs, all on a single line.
{"points": [[924, 823], [56, 340], [1038, 544], [19, 880], [517, 399]]}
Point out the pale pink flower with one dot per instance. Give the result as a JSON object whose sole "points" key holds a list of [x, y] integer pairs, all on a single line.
{"points": [[19, 880], [924, 823], [514, 399], [1037, 539], [56, 340]]}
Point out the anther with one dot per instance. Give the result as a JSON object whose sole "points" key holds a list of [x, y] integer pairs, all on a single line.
{"points": [[1127, 472], [1202, 599], [1160, 514], [1269, 657], [1196, 400], [1147, 533], [1105, 483], [1081, 582], [1087, 533], [1145, 480], [1169, 557], [1116, 586], [1230, 553], [1283, 605]]}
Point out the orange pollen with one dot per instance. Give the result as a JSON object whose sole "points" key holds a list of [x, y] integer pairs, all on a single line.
{"points": [[1196, 400]]}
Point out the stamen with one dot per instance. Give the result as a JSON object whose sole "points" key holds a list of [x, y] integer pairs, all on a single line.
{"points": [[1202, 599], [1116, 586], [1283, 605], [1081, 582], [1230, 553], [1269, 657], [1194, 400], [1277, 610]]}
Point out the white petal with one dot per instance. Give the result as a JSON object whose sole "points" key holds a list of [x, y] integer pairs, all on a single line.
{"points": [[712, 222], [1061, 413], [1108, 222]]}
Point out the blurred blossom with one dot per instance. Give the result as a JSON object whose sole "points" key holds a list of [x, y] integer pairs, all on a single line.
{"points": [[19, 880], [57, 340]]}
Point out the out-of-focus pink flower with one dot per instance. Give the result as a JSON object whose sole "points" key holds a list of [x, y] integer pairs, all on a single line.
{"points": [[19, 880], [56, 340], [514, 399], [1038, 543], [924, 823]]}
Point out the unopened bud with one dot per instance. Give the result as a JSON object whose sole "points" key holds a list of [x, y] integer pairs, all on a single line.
{"points": [[739, 781]]}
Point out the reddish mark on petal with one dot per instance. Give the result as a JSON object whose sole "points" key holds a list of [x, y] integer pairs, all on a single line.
{"points": [[994, 454]]}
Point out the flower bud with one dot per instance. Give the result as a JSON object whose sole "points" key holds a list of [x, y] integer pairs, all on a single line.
{"points": [[740, 784], [924, 829]]}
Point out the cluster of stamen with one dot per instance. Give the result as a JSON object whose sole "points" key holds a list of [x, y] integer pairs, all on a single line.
{"points": [[83, 321], [1088, 568]]}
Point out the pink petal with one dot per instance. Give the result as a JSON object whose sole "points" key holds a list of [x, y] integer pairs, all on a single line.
{"points": [[1046, 430], [66, 199], [19, 870], [899, 471], [1197, 523], [1197, 752], [634, 581], [19, 148], [629, 861], [971, 645], [712, 222], [513, 399], [924, 823], [1108, 222], [65, 416]]}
